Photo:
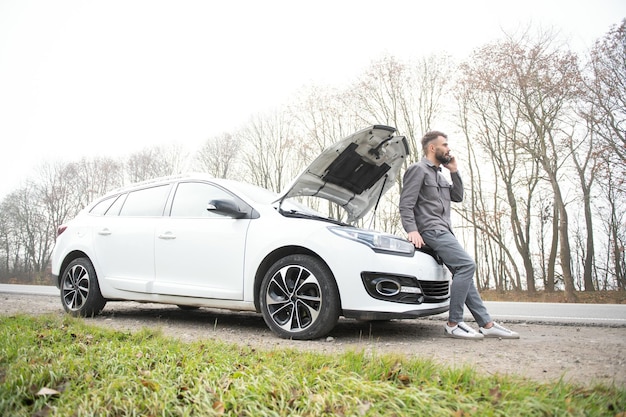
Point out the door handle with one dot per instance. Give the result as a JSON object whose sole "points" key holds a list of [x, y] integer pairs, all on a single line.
{"points": [[104, 232], [167, 236]]}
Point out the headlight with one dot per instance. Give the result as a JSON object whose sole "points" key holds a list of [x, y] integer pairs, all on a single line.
{"points": [[379, 242]]}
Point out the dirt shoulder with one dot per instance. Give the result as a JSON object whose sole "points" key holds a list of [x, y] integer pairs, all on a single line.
{"points": [[580, 354]]}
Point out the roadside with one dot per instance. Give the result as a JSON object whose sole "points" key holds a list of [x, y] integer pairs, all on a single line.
{"points": [[583, 297], [581, 354]]}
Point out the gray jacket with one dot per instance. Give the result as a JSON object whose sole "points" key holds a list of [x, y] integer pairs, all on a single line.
{"points": [[426, 196]]}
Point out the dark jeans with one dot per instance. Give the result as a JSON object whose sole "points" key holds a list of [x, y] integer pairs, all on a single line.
{"points": [[460, 263]]}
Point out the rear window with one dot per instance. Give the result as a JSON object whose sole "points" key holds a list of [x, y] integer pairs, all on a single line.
{"points": [[114, 210], [102, 207], [148, 202]]}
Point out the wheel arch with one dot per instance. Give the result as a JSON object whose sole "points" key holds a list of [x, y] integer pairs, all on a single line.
{"points": [[66, 261], [277, 254]]}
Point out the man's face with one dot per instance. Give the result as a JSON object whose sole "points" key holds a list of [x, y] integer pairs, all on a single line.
{"points": [[441, 150]]}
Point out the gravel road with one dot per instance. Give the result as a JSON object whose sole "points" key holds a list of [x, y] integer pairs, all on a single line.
{"points": [[579, 354]]}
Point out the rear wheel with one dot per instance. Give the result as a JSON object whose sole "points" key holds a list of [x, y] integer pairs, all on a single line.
{"points": [[80, 292], [299, 298]]}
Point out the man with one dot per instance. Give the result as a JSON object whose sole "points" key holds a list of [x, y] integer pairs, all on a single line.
{"points": [[425, 213]]}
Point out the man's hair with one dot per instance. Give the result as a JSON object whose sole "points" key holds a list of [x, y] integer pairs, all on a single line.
{"points": [[430, 136]]}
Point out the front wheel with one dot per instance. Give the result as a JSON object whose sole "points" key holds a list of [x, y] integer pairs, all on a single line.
{"points": [[299, 298], [80, 292]]}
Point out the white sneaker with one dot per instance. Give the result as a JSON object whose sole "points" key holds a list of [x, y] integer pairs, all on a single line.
{"points": [[462, 331], [499, 331]]}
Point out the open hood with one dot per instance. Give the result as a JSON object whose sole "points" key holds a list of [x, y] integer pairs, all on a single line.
{"points": [[354, 172]]}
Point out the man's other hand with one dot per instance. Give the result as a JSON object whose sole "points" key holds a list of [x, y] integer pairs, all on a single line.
{"points": [[416, 239]]}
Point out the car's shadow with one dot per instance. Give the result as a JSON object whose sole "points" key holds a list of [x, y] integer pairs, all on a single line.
{"points": [[241, 325]]}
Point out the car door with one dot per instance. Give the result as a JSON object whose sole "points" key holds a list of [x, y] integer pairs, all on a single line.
{"points": [[199, 253], [124, 238]]}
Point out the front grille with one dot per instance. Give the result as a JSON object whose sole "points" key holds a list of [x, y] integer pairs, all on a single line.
{"points": [[435, 291]]}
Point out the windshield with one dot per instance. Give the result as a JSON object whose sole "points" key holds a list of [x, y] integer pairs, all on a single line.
{"points": [[257, 194], [264, 196], [291, 204]]}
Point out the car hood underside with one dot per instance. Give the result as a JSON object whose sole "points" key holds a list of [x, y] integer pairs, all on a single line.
{"points": [[354, 172]]}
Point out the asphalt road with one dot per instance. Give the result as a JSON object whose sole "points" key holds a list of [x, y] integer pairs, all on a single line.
{"points": [[583, 314]]}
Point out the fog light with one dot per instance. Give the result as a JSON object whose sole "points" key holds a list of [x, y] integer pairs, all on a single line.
{"points": [[393, 288], [388, 287]]}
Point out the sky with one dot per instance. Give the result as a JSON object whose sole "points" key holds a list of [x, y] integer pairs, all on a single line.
{"points": [[85, 78]]}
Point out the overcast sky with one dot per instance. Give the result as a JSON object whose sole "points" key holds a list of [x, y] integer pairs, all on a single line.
{"points": [[85, 78]]}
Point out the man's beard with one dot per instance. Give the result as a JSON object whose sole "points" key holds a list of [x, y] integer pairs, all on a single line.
{"points": [[442, 157]]}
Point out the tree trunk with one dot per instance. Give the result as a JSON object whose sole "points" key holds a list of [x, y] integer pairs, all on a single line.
{"points": [[565, 250], [550, 278], [590, 256]]}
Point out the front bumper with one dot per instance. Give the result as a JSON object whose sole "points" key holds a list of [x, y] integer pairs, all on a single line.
{"points": [[379, 315]]}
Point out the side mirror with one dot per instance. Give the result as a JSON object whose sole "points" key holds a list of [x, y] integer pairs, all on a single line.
{"points": [[227, 208]]}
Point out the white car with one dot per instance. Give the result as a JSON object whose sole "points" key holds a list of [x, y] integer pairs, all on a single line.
{"points": [[196, 241]]}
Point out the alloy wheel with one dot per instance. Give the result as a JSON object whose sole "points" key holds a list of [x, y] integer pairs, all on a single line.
{"points": [[75, 287], [294, 298]]}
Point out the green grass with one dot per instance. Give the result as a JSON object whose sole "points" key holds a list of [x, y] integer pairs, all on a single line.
{"points": [[98, 372]]}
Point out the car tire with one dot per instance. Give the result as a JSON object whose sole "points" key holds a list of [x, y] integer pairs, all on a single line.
{"points": [[80, 292], [299, 298]]}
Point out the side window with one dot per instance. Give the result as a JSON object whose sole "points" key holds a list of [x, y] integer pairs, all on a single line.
{"points": [[101, 208], [192, 198], [148, 202], [114, 210]]}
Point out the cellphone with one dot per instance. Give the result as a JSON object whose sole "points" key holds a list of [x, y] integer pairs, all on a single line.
{"points": [[449, 159]]}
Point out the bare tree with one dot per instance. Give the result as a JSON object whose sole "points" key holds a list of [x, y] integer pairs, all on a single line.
{"points": [[66, 188], [544, 82], [270, 146], [614, 224], [32, 214], [11, 250], [606, 94], [491, 118], [379, 93], [605, 114], [30, 225], [549, 219], [323, 116], [97, 176], [153, 162], [433, 76], [218, 155], [587, 163], [57, 184]]}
